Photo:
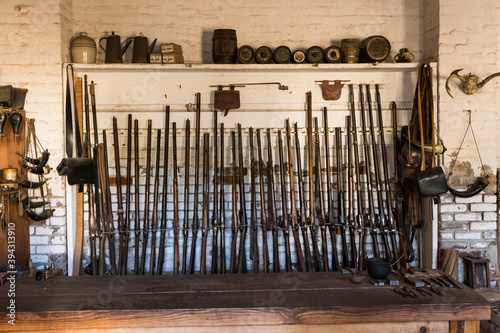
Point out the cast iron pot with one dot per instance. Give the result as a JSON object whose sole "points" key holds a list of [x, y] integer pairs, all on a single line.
{"points": [[378, 268]]}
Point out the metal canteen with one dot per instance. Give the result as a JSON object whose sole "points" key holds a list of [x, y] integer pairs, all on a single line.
{"points": [[142, 49], [114, 49]]}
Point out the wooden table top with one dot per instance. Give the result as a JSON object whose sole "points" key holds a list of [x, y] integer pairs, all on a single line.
{"points": [[212, 300]]}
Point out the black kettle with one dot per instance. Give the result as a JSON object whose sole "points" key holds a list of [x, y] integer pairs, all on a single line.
{"points": [[114, 49], [142, 49]]}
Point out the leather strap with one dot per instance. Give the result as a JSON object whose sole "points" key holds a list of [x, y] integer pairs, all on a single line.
{"points": [[72, 125]]}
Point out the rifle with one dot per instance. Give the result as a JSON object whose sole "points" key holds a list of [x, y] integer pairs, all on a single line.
{"points": [[361, 209], [128, 195], [293, 209], [331, 224], [263, 218], [101, 224], [119, 198], [234, 221], [272, 220], [222, 220], [318, 193], [186, 198], [381, 215], [341, 210], [175, 222], [106, 203], [350, 192], [137, 227], [97, 200], [391, 223], [302, 220], [371, 205], [215, 213], [145, 231], [163, 225], [311, 220], [195, 225], [285, 225], [242, 264], [156, 194], [204, 216], [90, 196], [254, 246]]}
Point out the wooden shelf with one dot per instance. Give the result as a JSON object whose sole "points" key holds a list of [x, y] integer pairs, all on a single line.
{"points": [[389, 67]]}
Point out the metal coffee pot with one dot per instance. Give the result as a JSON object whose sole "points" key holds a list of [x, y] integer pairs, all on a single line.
{"points": [[114, 49], [142, 49]]}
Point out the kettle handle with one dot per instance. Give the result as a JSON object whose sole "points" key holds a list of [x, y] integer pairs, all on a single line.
{"points": [[106, 38]]}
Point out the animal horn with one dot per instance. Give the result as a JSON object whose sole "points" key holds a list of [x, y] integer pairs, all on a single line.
{"points": [[453, 74], [486, 80]]}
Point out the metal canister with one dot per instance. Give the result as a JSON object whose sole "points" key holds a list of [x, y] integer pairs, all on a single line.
{"points": [[350, 50], [299, 57], [333, 54], [374, 49], [245, 54], [263, 55], [314, 54], [9, 174], [282, 54]]}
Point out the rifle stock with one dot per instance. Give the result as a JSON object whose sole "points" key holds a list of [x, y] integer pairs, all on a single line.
{"points": [[185, 229], [263, 218], [195, 224], [284, 225], [163, 225], [175, 222]]}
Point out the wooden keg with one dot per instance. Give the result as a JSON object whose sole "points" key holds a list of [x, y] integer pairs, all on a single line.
{"points": [[299, 57], [350, 50], [374, 49], [224, 46], [314, 54], [245, 54], [333, 54], [263, 55], [282, 55]]}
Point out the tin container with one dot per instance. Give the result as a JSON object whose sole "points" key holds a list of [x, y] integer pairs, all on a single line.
{"points": [[350, 50], [374, 49]]}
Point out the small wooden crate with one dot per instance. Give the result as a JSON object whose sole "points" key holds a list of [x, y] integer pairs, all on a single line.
{"points": [[477, 272]]}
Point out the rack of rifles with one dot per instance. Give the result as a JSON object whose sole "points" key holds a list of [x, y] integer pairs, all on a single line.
{"points": [[347, 210]]}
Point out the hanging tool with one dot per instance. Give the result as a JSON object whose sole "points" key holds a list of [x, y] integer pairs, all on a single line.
{"points": [[331, 92]]}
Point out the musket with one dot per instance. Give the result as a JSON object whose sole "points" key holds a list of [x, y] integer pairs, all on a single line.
{"points": [[319, 198], [137, 223], [341, 209], [156, 194], [330, 216], [215, 212], [406, 247], [175, 222], [204, 216], [272, 220], [302, 220], [293, 207], [101, 222], [350, 192], [234, 202], [195, 224], [378, 187], [242, 260], [285, 223], [90, 196], [128, 195], [119, 199], [391, 222], [222, 211], [263, 217], [361, 224], [185, 228], [97, 200], [146, 226], [254, 246], [106, 203], [310, 157], [372, 218], [164, 201]]}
